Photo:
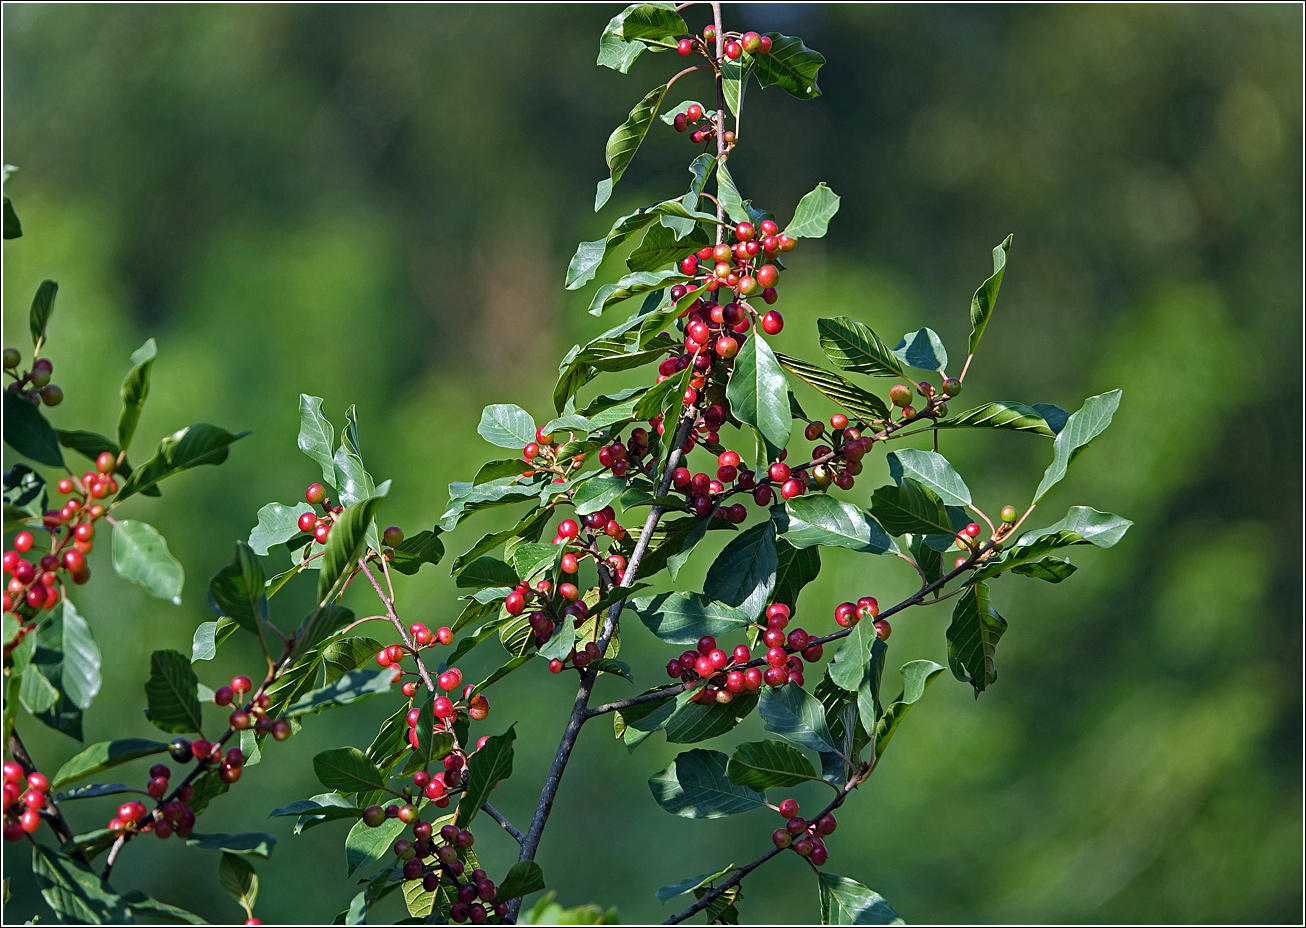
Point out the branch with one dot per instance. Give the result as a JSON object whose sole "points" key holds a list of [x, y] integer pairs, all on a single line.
{"points": [[493, 813]]}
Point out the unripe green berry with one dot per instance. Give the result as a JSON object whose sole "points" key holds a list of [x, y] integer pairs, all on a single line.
{"points": [[900, 394], [952, 387], [12, 358], [1009, 514]]}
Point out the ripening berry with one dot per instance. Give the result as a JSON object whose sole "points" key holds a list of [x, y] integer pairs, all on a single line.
{"points": [[791, 488], [315, 493], [106, 462], [951, 386], [782, 838], [767, 275], [514, 603], [1009, 514], [12, 358], [224, 695], [900, 394], [845, 614], [392, 537], [882, 629], [972, 530], [789, 808], [680, 123]]}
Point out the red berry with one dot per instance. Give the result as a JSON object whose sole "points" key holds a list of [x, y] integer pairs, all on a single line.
{"points": [[315, 493], [685, 46], [106, 462], [772, 323], [882, 629], [23, 541]]}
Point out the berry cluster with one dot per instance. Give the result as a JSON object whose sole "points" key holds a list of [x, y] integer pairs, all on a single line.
{"points": [[695, 113], [846, 615], [33, 384], [806, 839], [744, 267], [255, 716], [320, 526], [24, 796], [733, 47], [439, 857]]}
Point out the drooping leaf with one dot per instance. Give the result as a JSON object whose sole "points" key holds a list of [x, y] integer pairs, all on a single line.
{"points": [[695, 785], [238, 590], [820, 519], [759, 393], [863, 405], [237, 877], [62, 675], [973, 638], [74, 891], [141, 554], [854, 347], [619, 53], [423, 548], [523, 878], [922, 349], [248, 844], [662, 245], [631, 285], [485, 768], [28, 432], [350, 687], [1090, 421], [795, 568], [814, 211], [744, 573], [1081, 525], [101, 756], [172, 693], [850, 660], [790, 65], [365, 846], [847, 902], [692, 722], [981, 305], [135, 389], [626, 138], [182, 450], [792, 713], [42, 310], [933, 471], [763, 765]]}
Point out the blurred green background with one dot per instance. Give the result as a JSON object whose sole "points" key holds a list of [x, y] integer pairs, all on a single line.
{"points": [[377, 205]]}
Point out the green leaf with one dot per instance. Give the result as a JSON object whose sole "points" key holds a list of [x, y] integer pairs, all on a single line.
{"points": [[28, 432], [763, 765], [667, 893], [324, 807], [683, 216], [237, 590], [626, 138], [661, 246], [135, 388], [932, 471], [142, 904], [74, 891], [655, 23], [695, 785], [820, 519], [683, 618], [209, 636], [1090, 421], [981, 305], [507, 426], [347, 770], [523, 878], [854, 347], [863, 405], [101, 756], [24, 491], [277, 524], [814, 211], [618, 53], [744, 573], [466, 499], [910, 509], [95, 790], [141, 554], [1081, 525], [350, 687], [63, 674], [631, 285], [790, 65], [249, 844], [42, 310], [12, 227], [317, 437], [692, 722], [759, 394], [922, 349], [172, 693], [792, 713], [594, 494], [1053, 415], [423, 548], [486, 571], [847, 902], [182, 450], [850, 660], [916, 676], [236, 875], [1051, 569], [1003, 414], [485, 768], [973, 638], [345, 544], [796, 567], [365, 846], [700, 170], [731, 200]]}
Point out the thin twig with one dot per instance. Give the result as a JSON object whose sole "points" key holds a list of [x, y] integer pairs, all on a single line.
{"points": [[494, 813]]}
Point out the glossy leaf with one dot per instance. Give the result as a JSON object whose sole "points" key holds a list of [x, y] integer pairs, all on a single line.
{"points": [[695, 785], [632, 285], [850, 660], [815, 210], [981, 305], [1050, 569], [522, 879], [656, 23], [74, 891], [597, 492], [25, 493], [667, 893], [96, 790], [345, 544], [365, 846], [1090, 421], [847, 902], [692, 722], [101, 756], [507, 426], [790, 65], [186, 448], [1082, 525], [683, 217], [795, 568], [683, 618], [92, 445], [759, 394], [277, 524], [423, 548], [62, 676], [135, 389], [347, 770], [662, 245], [744, 573], [249, 844], [792, 713], [237, 590], [863, 405], [933, 471], [485, 768], [28, 432], [317, 437], [172, 692], [42, 310], [141, 554], [1053, 415], [910, 509], [618, 53], [626, 139], [820, 519], [973, 638], [854, 347], [350, 687], [763, 765], [1003, 414], [922, 349]]}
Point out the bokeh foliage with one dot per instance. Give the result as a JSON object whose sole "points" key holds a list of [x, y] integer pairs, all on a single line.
{"points": [[376, 205]]}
